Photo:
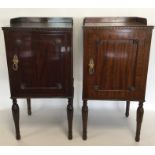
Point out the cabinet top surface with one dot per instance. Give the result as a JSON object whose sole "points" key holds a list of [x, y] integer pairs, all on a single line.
{"points": [[115, 21], [41, 22]]}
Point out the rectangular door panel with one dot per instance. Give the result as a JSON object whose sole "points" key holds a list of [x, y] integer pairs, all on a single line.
{"points": [[113, 66], [42, 62]]}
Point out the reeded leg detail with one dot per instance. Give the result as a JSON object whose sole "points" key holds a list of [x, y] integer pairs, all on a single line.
{"points": [[15, 113], [127, 108], [70, 117], [84, 118], [29, 106], [140, 112]]}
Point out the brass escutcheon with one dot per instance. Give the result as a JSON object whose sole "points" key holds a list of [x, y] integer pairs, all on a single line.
{"points": [[15, 63]]}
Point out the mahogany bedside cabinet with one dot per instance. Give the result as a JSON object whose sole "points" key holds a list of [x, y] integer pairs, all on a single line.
{"points": [[40, 62], [116, 56]]}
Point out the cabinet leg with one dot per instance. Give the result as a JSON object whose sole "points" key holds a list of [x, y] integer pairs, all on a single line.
{"points": [[127, 108], [84, 118], [140, 112], [29, 106], [70, 117], [15, 113]]}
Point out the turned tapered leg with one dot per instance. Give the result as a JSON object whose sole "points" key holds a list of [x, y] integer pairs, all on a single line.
{"points": [[84, 118], [29, 106], [15, 113], [127, 108], [140, 112], [70, 117]]}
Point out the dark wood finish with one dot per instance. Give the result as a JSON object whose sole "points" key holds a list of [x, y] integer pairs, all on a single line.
{"points": [[15, 113], [113, 21], [40, 58], [29, 106], [116, 55], [140, 112], [42, 22], [70, 117], [127, 108], [84, 118]]}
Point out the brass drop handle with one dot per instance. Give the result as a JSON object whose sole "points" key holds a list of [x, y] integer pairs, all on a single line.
{"points": [[15, 63], [91, 66]]}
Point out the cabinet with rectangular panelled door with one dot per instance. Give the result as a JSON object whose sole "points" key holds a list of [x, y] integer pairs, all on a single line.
{"points": [[116, 56], [39, 58]]}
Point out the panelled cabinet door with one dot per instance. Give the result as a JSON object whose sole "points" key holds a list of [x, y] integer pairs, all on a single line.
{"points": [[114, 64], [41, 63]]}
